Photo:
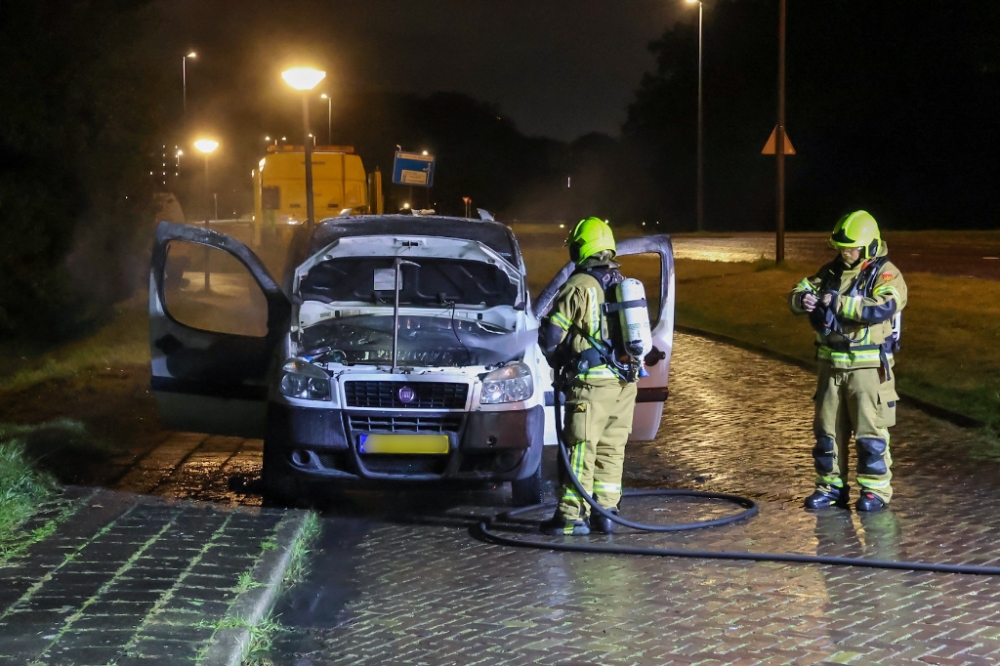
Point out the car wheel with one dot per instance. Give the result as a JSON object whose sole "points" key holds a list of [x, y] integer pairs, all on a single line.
{"points": [[280, 486], [527, 491]]}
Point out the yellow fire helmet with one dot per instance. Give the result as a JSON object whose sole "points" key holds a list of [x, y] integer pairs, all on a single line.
{"points": [[589, 237], [858, 229]]}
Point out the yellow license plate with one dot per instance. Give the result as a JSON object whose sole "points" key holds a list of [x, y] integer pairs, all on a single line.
{"points": [[413, 444]]}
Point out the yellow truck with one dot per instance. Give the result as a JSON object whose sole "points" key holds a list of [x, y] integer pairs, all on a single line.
{"points": [[339, 182]]}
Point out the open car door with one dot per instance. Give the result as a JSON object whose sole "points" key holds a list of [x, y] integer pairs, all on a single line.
{"points": [[649, 259], [216, 318]]}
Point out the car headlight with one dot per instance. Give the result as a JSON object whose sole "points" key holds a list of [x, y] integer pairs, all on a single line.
{"points": [[301, 379], [511, 383]]}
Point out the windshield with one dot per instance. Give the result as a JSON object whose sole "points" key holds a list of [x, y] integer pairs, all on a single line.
{"points": [[432, 282], [423, 341]]}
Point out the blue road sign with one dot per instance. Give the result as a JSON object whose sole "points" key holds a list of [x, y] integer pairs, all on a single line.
{"points": [[413, 169]]}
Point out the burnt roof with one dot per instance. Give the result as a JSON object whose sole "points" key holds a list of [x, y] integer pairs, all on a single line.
{"points": [[493, 235]]}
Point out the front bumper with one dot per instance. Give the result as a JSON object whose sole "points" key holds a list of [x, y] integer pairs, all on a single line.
{"points": [[323, 443]]}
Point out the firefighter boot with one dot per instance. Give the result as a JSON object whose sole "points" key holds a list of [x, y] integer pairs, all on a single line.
{"points": [[824, 497], [557, 525], [602, 525], [869, 501]]}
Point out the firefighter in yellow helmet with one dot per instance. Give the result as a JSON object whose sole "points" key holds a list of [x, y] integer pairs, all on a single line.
{"points": [[854, 304], [600, 387]]}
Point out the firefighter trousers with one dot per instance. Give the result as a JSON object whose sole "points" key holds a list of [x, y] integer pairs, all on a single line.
{"points": [[597, 426], [861, 402]]}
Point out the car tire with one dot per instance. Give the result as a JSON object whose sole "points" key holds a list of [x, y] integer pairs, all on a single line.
{"points": [[280, 487], [527, 491]]}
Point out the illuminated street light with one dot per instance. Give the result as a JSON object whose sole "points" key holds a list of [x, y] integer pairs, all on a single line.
{"points": [[329, 118], [425, 152], [206, 146], [305, 79], [701, 150], [184, 77]]}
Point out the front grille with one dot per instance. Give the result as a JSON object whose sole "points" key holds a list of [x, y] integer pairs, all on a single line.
{"points": [[429, 424], [426, 395], [333, 461], [406, 465]]}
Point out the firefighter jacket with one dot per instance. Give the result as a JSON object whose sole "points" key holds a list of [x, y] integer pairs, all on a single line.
{"points": [[578, 309], [860, 327]]}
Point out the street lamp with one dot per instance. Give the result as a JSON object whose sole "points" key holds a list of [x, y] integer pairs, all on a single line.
{"points": [[305, 79], [205, 147], [184, 77], [329, 118], [701, 149]]}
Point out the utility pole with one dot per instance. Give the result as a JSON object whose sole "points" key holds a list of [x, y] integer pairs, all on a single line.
{"points": [[304, 79], [701, 130], [307, 150], [779, 250]]}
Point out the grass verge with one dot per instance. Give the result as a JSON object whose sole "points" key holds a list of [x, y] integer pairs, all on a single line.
{"points": [[950, 355], [124, 340], [32, 458], [22, 489]]}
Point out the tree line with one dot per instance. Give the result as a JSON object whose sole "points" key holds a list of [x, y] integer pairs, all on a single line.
{"points": [[891, 107]]}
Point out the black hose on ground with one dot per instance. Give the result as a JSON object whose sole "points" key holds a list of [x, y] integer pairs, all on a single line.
{"points": [[750, 509]]}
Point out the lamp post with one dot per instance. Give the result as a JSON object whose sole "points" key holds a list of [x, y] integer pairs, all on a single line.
{"points": [[779, 138], [184, 78], [206, 147], [329, 118], [701, 150], [305, 79]]}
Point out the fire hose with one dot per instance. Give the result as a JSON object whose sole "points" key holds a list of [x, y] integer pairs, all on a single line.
{"points": [[750, 508]]}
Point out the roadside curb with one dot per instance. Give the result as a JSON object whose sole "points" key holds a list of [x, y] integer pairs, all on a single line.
{"points": [[933, 410], [230, 643]]}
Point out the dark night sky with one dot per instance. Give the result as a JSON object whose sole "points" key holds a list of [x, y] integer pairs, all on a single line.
{"points": [[559, 68]]}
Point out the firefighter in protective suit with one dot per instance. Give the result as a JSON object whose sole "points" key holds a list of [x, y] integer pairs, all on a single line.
{"points": [[854, 303], [579, 340]]}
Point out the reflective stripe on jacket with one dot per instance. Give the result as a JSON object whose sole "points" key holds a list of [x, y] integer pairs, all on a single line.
{"points": [[864, 311], [579, 303]]}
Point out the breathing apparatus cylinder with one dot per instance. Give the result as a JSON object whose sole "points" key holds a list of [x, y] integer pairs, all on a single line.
{"points": [[634, 318]]}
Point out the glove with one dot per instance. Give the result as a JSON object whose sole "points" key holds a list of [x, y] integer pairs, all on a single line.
{"points": [[809, 302]]}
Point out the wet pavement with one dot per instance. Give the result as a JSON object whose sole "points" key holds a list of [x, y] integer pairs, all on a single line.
{"points": [[130, 579], [975, 254], [397, 578]]}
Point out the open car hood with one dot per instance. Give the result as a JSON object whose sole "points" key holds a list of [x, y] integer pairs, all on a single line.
{"points": [[461, 303], [425, 341]]}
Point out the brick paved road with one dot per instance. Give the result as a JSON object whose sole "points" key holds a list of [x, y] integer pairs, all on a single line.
{"points": [[400, 581], [129, 579]]}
